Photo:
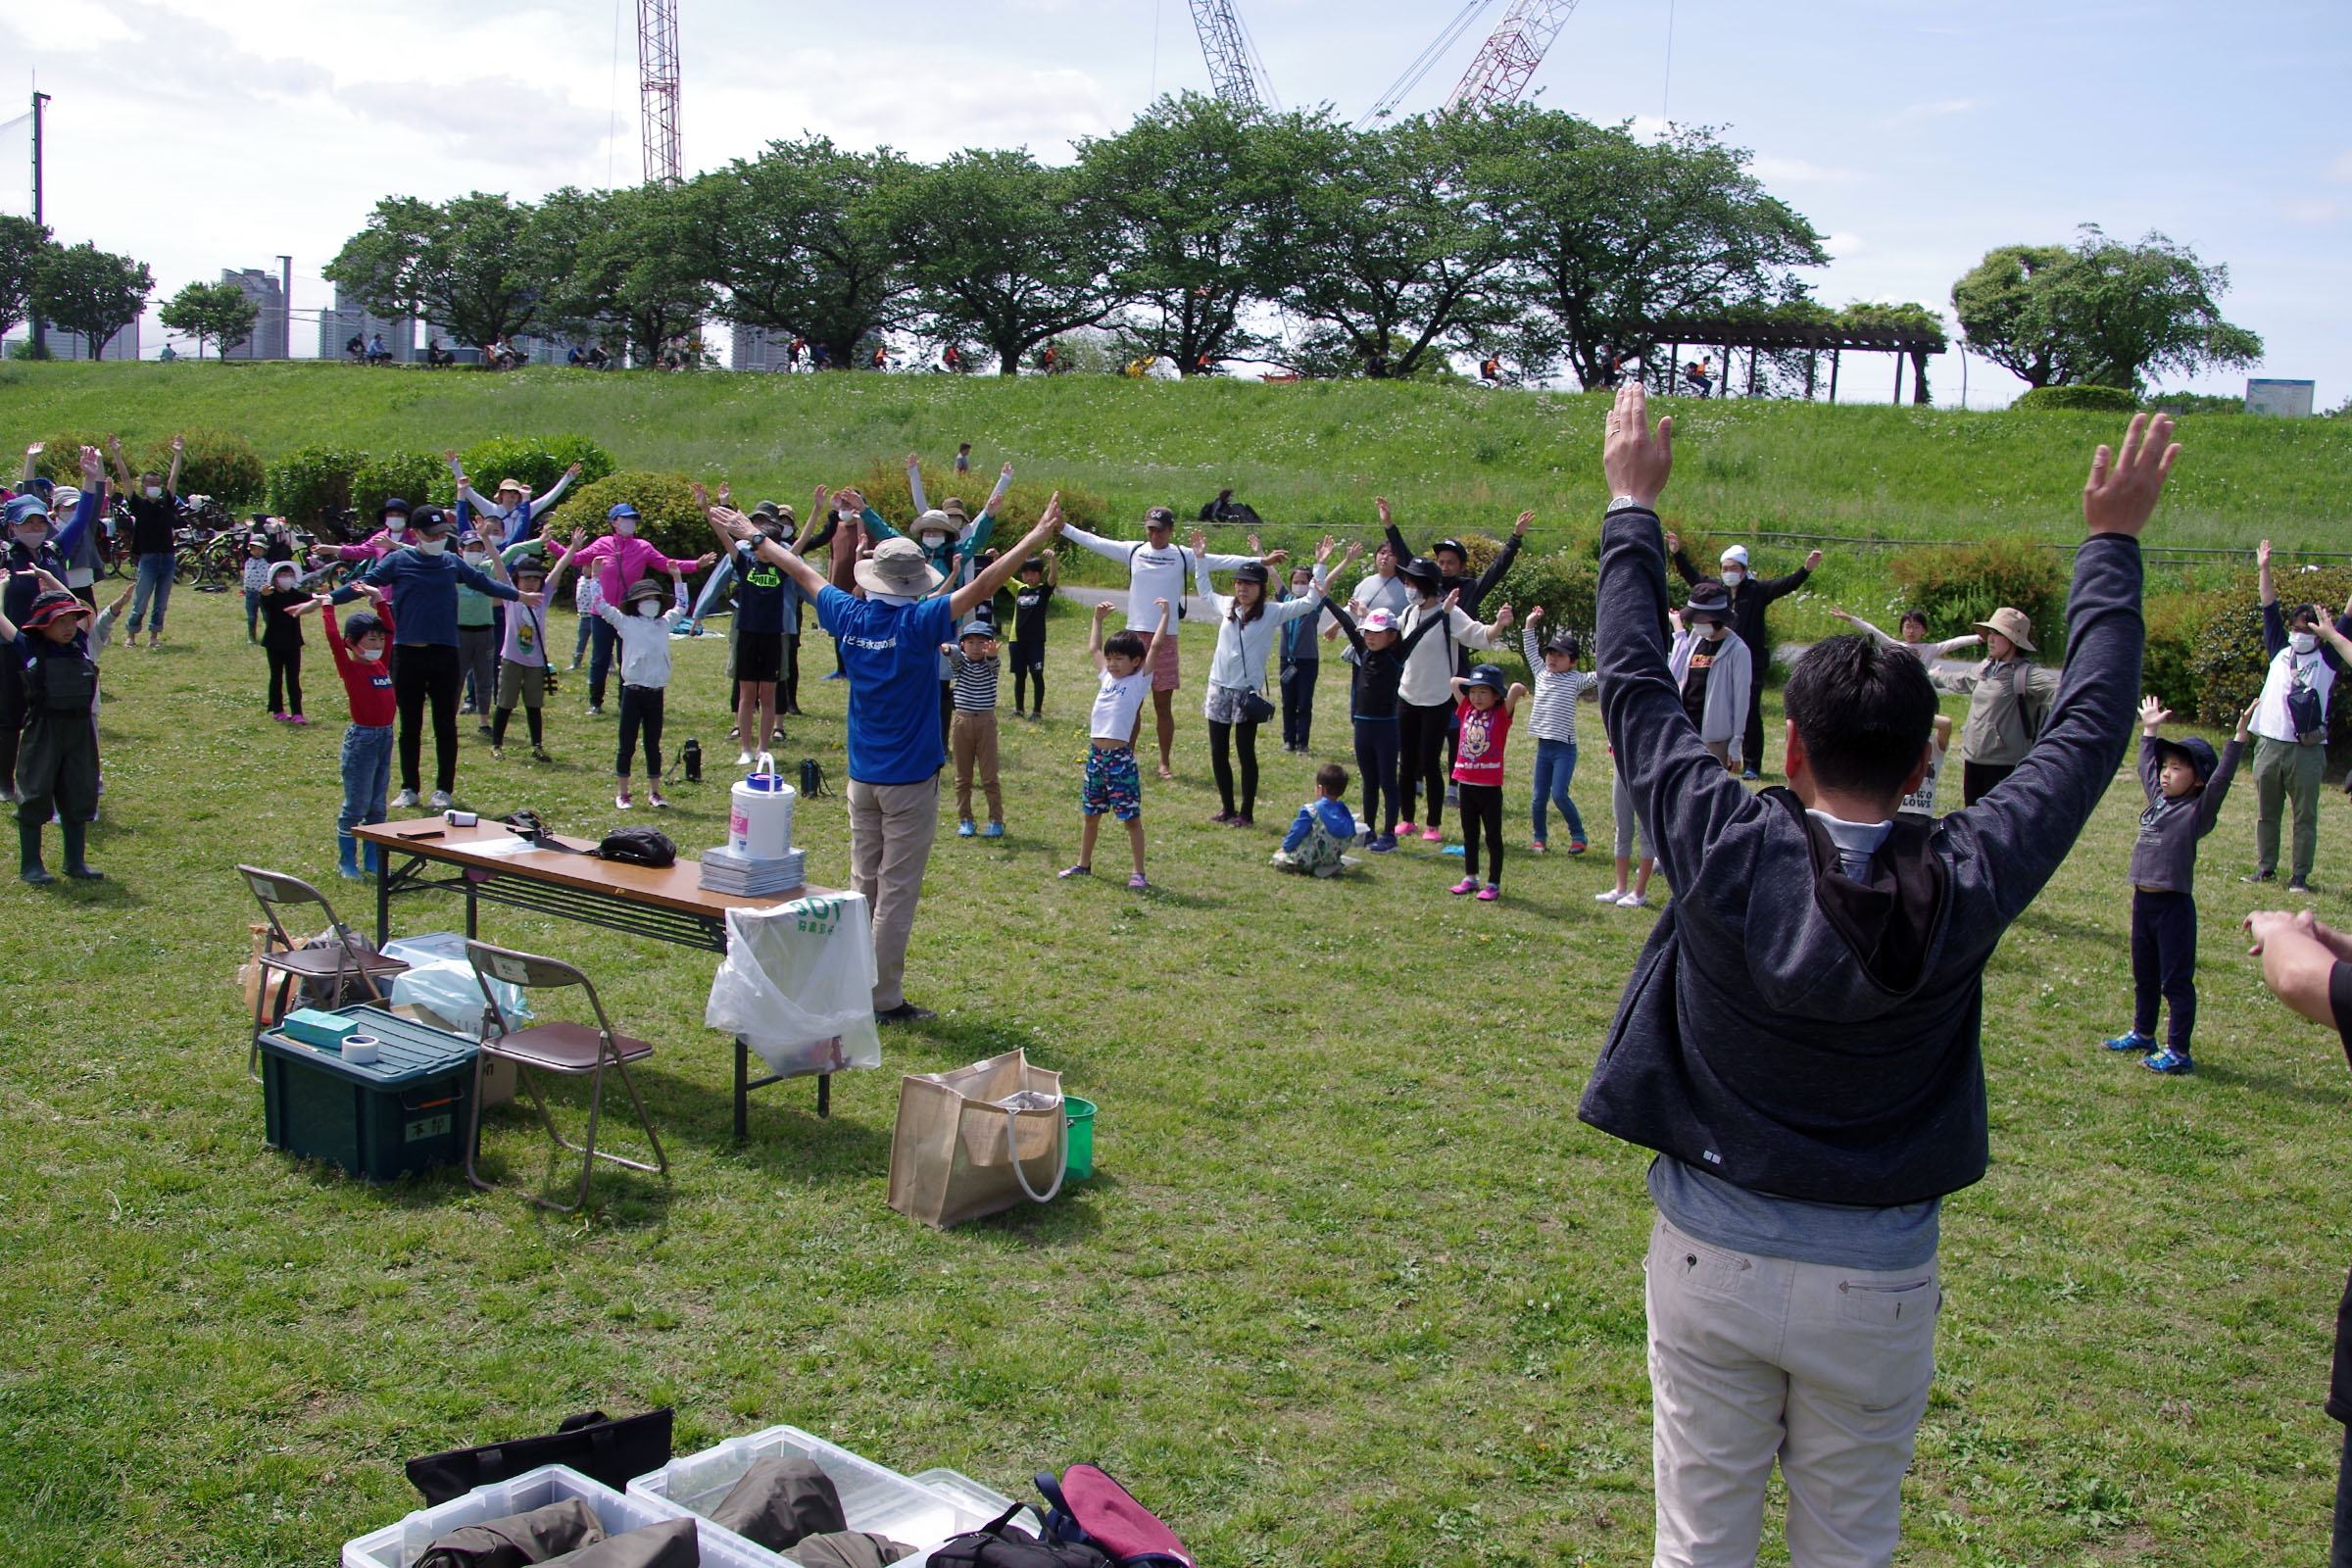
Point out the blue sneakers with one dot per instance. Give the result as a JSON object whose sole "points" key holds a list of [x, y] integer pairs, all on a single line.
{"points": [[2169, 1062], [2132, 1039], [1384, 843], [991, 830]]}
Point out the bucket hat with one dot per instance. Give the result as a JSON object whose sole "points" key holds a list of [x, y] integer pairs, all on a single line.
{"points": [[898, 567], [2012, 624]]}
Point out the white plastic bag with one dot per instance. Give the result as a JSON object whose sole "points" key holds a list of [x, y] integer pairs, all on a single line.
{"points": [[798, 985], [447, 989]]}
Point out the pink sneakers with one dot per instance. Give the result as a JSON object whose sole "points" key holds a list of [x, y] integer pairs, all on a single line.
{"points": [[1430, 835], [1468, 884]]}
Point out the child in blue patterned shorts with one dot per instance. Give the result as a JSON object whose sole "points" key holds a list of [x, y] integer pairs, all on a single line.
{"points": [[1112, 784]]}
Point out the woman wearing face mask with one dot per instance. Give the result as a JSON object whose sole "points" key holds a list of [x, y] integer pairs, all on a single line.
{"points": [[615, 561], [2290, 725], [2008, 698], [1751, 595], [1247, 628], [1712, 668], [478, 630], [1427, 693], [423, 581]]}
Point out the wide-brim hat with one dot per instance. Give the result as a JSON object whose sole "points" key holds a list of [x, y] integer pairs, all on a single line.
{"points": [[50, 606], [2196, 751], [953, 508], [1710, 599], [643, 588], [1489, 677], [1423, 571], [767, 509], [2012, 624], [932, 521], [898, 567]]}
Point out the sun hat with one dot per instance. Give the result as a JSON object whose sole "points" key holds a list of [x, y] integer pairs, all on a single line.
{"points": [[1710, 599], [49, 605], [975, 627], [1420, 569], [1736, 556], [1380, 620], [2012, 624], [644, 588], [766, 509], [953, 508], [933, 521], [1489, 677], [2196, 751], [1251, 571], [898, 567]]}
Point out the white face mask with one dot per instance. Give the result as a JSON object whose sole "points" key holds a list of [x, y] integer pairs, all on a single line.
{"points": [[626, 527], [33, 540], [649, 607], [155, 492], [282, 583], [395, 526], [1734, 576], [369, 654], [432, 546], [475, 557], [2304, 642]]}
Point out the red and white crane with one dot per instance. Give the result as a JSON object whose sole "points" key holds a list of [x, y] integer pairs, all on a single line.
{"points": [[1511, 53]]}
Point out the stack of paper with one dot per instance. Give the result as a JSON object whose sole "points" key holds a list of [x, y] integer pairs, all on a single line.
{"points": [[725, 871]]}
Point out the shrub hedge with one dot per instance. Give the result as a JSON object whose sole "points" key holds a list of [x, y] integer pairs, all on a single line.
{"points": [[536, 461], [666, 515], [2081, 398], [216, 463], [1956, 586]]}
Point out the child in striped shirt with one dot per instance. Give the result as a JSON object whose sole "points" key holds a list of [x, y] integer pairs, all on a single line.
{"points": [[972, 732], [1559, 684]]}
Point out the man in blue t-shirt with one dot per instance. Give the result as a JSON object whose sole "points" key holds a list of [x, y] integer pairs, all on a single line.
{"points": [[889, 643]]}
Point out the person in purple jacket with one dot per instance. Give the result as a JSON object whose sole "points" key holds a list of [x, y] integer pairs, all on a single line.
{"points": [[1799, 1038]]}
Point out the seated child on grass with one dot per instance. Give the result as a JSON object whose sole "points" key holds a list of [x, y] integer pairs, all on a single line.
{"points": [[1322, 830]]}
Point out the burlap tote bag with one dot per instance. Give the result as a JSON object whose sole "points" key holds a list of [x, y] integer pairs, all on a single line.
{"points": [[977, 1141]]}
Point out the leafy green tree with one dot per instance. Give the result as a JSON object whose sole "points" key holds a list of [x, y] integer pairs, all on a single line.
{"points": [[93, 292], [1007, 251], [1609, 233], [1382, 236], [220, 311], [472, 263], [801, 241], [23, 245], [623, 267], [2100, 312], [1190, 186]]}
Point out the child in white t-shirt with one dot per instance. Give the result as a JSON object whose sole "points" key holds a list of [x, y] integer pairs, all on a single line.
{"points": [[1114, 784], [1923, 798]]}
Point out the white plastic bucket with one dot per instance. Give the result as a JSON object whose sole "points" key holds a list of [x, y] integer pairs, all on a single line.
{"points": [[760, 814]]}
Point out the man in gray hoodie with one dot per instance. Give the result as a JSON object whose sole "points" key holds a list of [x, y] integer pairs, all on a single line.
{"points": [[1798, 1041]]}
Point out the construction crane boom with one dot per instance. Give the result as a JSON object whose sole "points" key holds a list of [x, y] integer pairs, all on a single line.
{"points": [[1232, 69], [1511, 53], [657, 89]]}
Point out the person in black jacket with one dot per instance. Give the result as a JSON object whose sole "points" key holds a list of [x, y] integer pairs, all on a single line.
{"points": [[1750, 594], [1799, 1038], [1453, 564]]}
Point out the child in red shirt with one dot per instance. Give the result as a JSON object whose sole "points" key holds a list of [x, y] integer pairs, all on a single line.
{"points": [[1484, 708], [359, 648]]}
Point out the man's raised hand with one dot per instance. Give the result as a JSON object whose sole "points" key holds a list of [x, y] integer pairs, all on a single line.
{"points": [[1635, 458], [1519, 529], [1381, 505], [2124, 488]]}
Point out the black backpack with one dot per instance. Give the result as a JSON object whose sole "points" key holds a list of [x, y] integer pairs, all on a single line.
{"points": [[1002, 1543], [638, 846], [813, 779]]}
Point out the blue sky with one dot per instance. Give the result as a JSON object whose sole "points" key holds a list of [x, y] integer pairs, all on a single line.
{"points": [[199, 133]]}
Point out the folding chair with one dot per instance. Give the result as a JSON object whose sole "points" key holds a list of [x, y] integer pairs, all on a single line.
{"points": [[571, 1050], [345, 959]]}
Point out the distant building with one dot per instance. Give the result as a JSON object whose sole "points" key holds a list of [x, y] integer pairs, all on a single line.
{"points": [[65, 345], [350, 319], [2285, 400], [756, 349], [269, 339]]}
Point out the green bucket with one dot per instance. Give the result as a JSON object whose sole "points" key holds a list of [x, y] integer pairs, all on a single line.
{"points": [[1081, 1162]]}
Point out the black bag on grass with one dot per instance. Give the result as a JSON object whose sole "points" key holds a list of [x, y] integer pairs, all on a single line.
{"points": [[615, 1452]]}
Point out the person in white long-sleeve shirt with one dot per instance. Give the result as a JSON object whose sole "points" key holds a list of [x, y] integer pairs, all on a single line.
{"points": [[1425, 697], [1156, 570], [1248, 626], [1915, 635]]}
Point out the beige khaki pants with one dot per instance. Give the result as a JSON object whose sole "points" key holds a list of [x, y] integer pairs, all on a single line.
{"points": [[1757, 1358], [972, 741], [891, 828]]}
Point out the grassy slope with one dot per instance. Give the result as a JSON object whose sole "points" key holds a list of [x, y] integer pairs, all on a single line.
{"points": [[1449, 458], [1352, 1287]]}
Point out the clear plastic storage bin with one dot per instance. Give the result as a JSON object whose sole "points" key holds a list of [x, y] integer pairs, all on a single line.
{"points": [[399, 1545], [872, 1499]]}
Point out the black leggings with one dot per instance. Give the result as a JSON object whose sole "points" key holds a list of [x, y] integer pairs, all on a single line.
{"points": [[640, 706], [530, 716], [1020, 689], [1376, 760], [1977, 780], [1421, 762], [788, 695], [428, 671], [1220, 739], [1482, 815], [2340, 1546], [286, 678]]}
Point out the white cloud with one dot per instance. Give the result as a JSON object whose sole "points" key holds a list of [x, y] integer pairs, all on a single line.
{"points": [[1798, 171], [497, 120], [2314, 211], [1841, 247], [2341, 172]]}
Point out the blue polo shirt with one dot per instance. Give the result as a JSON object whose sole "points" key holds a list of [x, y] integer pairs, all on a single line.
{"points": [[891, 653]]}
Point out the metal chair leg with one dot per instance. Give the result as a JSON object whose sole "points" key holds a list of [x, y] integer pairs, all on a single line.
{"points": [[474, 1129]]}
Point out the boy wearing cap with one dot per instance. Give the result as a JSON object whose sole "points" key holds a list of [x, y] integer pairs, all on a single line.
{"points": [[2008, 700], [1751, 596], [57, 767], [973, 733], [1712, 670], [523, 652], [2185, 785], [362, 649]]}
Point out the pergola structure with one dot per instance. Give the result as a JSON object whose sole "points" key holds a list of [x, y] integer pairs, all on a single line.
{"points": [[1913, 343]]}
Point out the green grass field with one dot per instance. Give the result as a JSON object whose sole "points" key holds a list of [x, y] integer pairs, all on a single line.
{"points": [[1314, 453], [1353, 1285]]}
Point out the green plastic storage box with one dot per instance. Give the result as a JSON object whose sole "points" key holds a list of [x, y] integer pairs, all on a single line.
{"points": [[406, 1111]]}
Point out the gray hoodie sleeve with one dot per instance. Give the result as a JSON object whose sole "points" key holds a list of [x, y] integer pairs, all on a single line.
{"points": [[2012, 840], [1682, 796]]}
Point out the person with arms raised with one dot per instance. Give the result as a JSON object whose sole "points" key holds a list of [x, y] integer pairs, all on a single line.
{"points": [[1799, 1038]]}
